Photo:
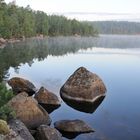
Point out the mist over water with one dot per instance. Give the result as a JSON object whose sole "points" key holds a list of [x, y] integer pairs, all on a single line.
{"points": [[95, 16]]}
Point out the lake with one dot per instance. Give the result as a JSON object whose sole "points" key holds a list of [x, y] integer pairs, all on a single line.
{"points": [[115, 58]]}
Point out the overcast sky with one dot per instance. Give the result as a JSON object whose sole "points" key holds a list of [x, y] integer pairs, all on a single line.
{"points": [[88, 9]]}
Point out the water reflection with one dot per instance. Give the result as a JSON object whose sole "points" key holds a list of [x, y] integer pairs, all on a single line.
{"points": [[118, 115], [49, 107], [72, 135], [25, 52], [85, 107], [69, 135]]}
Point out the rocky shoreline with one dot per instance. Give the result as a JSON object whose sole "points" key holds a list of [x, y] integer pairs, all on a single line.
{"points": [[32, 112], [3, 41]]}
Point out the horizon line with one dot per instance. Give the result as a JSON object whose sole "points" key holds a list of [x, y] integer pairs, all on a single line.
{"points": [[93, 13]]}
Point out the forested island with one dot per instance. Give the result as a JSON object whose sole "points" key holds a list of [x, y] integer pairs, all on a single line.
{"points": [[116, 27], [16, 22]]}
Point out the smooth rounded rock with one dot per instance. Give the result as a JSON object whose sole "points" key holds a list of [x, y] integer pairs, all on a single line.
{"points": [[72, 128], [77, 126], [47, 99], [28, 111], [22, 85]]}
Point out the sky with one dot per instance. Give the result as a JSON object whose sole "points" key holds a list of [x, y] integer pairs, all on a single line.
{"points": [[87, 9]]}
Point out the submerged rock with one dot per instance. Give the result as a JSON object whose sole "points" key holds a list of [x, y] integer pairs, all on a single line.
{"points": [[45, 132], [72, 128], [20, 129], [28, 111], [19, 85], [83, 90], [47, 99]]}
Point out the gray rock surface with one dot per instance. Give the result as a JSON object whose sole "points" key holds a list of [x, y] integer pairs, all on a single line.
{"points": [[20, 129], [45, 132]]}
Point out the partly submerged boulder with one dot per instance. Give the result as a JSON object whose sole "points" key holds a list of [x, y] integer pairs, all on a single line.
{"points": [[20, 129], [45, 132], [83, 90], [28, 111], [47, 99], [19, 85], [72, 128]]}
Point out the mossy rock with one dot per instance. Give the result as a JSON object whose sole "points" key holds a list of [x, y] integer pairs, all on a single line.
{"points": [[4, 129]]}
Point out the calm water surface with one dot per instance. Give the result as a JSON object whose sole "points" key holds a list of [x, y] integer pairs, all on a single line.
{"points": [[116, 59]]}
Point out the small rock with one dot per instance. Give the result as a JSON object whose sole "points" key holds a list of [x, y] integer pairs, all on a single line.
{"points": [[78, 126], [72, 128], [45, 132], [19, 85], [28, 111], [47, 99], [4, 129]]}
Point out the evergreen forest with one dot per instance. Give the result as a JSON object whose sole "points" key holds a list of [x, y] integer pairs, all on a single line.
{"points": [[16, 22]]}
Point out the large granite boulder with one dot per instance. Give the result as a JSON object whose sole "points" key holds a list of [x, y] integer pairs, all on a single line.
{"points": [[45, 132], [72, 128], [83, 90], [47, 99], [28, 111], [19, 85], [20, 129]]}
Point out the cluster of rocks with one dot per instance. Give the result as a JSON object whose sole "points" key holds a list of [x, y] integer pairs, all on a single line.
{"points": [[82, 89]]}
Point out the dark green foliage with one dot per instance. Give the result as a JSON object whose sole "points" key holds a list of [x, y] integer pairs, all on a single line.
{"points": [[5, 95], [41, 23], [16, 22], [116, 27], [60, 25], [6, 113]]}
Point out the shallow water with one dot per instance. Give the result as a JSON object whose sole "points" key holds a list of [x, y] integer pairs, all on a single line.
{"points": [[116, 59]]}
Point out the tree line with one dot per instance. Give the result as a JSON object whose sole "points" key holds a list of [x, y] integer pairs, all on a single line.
{"points": [[16, 22], [116, 27]]}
